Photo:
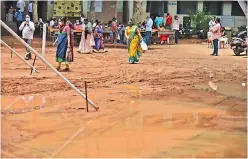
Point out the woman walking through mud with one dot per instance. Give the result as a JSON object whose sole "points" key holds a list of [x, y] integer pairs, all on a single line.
{"points": [[98, 37], [133, 37], [65, 47], [87, 40]]}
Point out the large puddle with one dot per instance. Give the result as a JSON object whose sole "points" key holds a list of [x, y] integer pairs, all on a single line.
{"points": [[238, 90]]}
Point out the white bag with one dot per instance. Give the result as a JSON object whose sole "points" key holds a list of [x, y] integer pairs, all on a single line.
{"points": [[143, 45], [118, 37]]}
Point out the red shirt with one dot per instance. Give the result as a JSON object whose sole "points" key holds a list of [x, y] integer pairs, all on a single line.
{"points": [[169, 20]]}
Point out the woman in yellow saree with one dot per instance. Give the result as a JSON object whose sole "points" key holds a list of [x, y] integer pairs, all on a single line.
{"points": [[133, 37]]}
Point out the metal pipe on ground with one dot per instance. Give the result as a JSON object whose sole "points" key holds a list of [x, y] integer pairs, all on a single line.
{"points": [[47, 63], [34, 69]]}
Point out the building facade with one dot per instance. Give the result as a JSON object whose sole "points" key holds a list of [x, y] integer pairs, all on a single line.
{"points": [[229, 11]]}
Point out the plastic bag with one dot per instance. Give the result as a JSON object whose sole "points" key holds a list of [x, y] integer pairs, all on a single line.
{"points": [[143, 45], [68, 56]]}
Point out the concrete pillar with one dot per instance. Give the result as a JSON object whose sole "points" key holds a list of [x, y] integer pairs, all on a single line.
{"points": [[50, 9], [227, 8], [130, 7], [200, 6], [119, 15], [35, 11], [172, 7], [85, 7], [139, 11]]}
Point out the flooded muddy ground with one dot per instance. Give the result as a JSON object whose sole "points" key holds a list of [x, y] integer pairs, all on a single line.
{"points": [[176, 102]]}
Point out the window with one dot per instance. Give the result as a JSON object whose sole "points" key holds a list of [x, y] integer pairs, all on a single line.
{"points": [[148, 6], [214, 8], [236, 9], [165, 6], [184, 7]]}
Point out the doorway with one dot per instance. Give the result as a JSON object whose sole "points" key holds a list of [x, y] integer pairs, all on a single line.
{"points": [[158, 8], [42, 10]]}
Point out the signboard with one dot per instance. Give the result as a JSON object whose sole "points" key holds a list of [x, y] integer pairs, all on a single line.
{"points": [[227, 21], [98, 6], [172, 3]]}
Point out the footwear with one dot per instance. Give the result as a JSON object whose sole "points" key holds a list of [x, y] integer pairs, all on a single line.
{"points": [[58, 68], [67, 69], [28, 56], [215, 55]]}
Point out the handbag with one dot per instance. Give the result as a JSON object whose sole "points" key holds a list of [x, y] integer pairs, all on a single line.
{"points": [[143, 45]]}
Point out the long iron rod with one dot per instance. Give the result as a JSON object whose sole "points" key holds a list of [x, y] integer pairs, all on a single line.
{"points": [[86, 93], [33, 65], [18, 55], [47, 63]]}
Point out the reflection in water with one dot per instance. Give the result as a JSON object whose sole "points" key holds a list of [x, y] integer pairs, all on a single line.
{"points": [[212, 85], [243, 84]]}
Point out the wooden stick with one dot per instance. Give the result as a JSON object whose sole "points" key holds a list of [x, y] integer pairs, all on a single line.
{"points": [[86, 95]]}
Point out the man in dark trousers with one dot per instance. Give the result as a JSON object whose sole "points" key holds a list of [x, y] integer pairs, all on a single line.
{"points": [[19, 17], [176, 25]]}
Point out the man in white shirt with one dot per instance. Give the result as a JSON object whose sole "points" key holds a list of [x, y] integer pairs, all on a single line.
{"points": [[21, 5], [30, 10], [212, 23], [149, 25], [176, 25], [27, 28]]}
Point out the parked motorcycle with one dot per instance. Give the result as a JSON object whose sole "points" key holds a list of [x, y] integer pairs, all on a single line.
{"points": [[186, 32], [239, 44], [201, 34]]}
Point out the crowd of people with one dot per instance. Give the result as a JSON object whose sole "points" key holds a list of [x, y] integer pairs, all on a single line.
{"points": [[92, 33]]}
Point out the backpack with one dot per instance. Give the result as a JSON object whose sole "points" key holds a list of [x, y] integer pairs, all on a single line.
{"points": [[18, 13]]}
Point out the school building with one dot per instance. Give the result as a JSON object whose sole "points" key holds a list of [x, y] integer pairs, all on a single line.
{"points": [[230, 11]]}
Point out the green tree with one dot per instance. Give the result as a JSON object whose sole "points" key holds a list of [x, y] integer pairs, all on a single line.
{"points": [[200, 20]]}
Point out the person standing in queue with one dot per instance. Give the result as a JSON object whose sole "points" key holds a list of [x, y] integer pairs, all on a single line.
{"points": [[149, 25], [168, 21], [19, 19], [114, 30], [30, 10], [27, 27]]}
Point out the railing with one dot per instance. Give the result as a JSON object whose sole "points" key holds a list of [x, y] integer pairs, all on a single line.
{"points": [[47, 63]]}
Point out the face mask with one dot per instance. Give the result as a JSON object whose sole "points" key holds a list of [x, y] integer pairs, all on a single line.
{"points": [[27, 19]]}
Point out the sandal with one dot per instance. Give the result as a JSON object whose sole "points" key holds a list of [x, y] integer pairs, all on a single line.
{"points": [[67, 69]]}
